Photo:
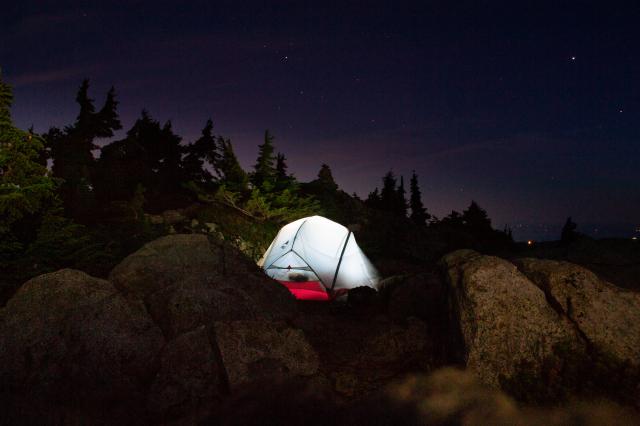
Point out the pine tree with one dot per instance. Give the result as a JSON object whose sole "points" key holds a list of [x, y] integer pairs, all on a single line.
{"points": [[25, 186], [232, 175], [401, 202], [419, 214], [108, 119], [283, 180], [325, 178], [264, 168], [476, 218], [71, 151], [373, 199], [201, 156], [389, 193]]}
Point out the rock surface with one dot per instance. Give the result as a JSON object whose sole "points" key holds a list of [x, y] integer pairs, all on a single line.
{"points": [[188, 379], [188, 280], [260, 350], [141, 348], [504, 320], [70, 342], [607, 316]]}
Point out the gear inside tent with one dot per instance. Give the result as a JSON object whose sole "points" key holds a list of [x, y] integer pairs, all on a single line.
{"points": [[316, 259]]}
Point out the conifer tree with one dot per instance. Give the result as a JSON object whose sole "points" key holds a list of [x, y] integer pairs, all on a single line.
{"points": [[325, 178], [419, 214], [389, 193], [71, 151], [373, 199], [25, 187], [283, 180], [476, 218], [201, 156], [231, 173], [30, 211], [265, 164], [401, 202]]}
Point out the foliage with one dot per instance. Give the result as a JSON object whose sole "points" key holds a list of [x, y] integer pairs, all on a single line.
{"points": [[231, 173], [71, 151], [264, 169], [281, 207], [35, 237], [202, 156], [419, 214]]}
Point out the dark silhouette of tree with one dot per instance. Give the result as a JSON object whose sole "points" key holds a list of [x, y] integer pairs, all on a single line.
{"points": [[373, 199], [476, 218], [569, 234], [453, 219], [389, 193], [264, 169], [71, 151], [201, 157], [108, 119], [30, 210], [401, 199], [231, 173], [150, 156], [25, 188], [283, 180], [325, 178], [419, 214]]}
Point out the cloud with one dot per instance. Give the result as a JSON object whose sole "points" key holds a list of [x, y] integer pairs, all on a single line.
{"points": [[48, 76]]}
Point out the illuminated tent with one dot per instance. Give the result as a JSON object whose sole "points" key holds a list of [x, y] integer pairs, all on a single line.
{"points": [[315, 257]]}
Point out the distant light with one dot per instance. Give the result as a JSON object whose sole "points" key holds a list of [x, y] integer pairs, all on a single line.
{"points": [[530, 242], [573, 58], [634, 238]]}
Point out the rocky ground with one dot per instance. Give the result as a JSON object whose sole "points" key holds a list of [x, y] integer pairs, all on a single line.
{"points": [[187, 330]]}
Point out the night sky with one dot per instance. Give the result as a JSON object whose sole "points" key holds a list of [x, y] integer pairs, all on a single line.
{"points": [[533, 111]]}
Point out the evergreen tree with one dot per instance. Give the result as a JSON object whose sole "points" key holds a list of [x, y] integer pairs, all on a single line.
{"points": [[30, 212], [283, 179], [419, 214], [108, 119], [232, 175], [25, 186], [201, 156], [476, 218], [151, 156], [264, 168], [71, 151], [389, 193], [454, 219], [373, 199], [401, 201], [325, 178]]}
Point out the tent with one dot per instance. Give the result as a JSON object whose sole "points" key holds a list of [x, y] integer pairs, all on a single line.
{"points": [[316, 258]]}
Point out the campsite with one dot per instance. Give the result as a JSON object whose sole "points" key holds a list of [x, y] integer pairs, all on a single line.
{"points": [[318, 213]]}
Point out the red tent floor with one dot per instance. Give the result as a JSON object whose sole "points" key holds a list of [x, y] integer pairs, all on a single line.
{"points": [[307, 290]]}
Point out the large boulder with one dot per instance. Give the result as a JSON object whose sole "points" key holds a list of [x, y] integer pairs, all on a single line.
{"points": [[71, 346], [607, 316], [191, 280], [504, 320], [188, 380], [141, 348], [263, 350]]}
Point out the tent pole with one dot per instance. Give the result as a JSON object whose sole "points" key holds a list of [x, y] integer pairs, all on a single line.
{"points": [[335, 277]]}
